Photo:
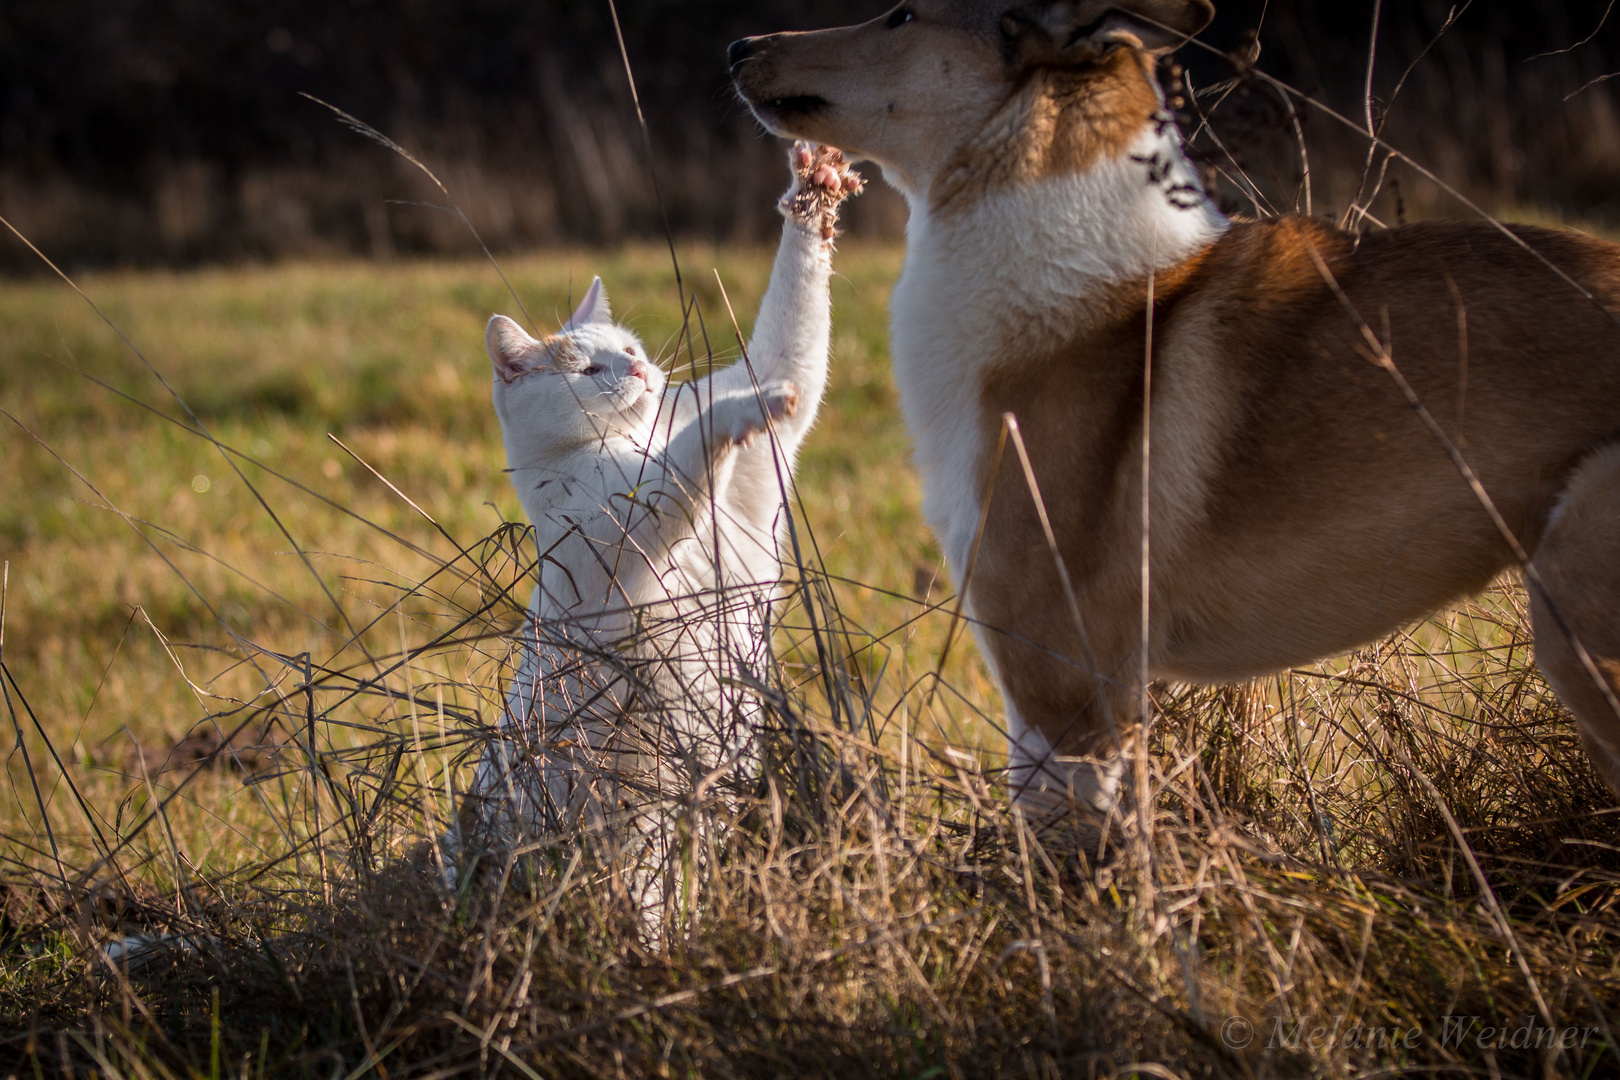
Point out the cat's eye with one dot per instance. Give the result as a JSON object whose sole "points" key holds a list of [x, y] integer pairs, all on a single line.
{"points": [[593, 369], [631, 349], [900, 17]]}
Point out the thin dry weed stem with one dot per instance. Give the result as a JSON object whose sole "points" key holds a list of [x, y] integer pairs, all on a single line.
{"points": [[1504, 926], [973, 556], [1144, 704], [1602, 22], [1356, 213], [1070, 597], [360, 127]]}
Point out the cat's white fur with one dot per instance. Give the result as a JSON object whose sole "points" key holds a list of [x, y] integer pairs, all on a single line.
{"points": [[657, 512]]}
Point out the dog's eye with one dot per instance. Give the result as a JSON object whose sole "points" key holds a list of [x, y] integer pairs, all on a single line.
{"points": [[900, 18]]}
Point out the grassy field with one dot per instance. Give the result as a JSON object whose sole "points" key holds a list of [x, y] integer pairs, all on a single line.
{"points": [[1316, 866], [131, 539]]}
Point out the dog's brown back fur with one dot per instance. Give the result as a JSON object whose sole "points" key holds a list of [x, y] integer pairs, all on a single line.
{"points": [[1328, 514]]}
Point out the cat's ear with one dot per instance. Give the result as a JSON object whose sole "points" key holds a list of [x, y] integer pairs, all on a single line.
{"points": [[513, 352], [592, 310]]}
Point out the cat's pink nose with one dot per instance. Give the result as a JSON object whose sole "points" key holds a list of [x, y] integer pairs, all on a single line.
{"points": [[638, 370]]}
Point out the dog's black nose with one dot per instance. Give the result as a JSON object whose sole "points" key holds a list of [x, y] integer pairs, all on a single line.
{"points": [[740, 51]]}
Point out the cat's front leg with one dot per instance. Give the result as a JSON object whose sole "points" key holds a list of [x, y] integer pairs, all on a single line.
{"points": [[793, 331], [699, 460], [739, 420]]}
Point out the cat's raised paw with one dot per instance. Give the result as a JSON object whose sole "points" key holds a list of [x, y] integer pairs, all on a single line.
{"points": [[781, 400], [822, 180], [742, 420]]}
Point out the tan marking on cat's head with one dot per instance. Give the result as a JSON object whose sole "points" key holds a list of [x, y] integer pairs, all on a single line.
{"points": [[516, 354]]}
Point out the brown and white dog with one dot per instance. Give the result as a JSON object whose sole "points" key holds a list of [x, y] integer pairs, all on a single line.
{"points": [[1299, 508]]}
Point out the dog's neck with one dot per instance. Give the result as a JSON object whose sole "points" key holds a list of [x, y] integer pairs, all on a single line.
{"points": [[1022, 269], [1040, 257], [1057, 238]]}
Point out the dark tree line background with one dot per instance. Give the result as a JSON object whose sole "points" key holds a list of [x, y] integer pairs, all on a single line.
{"points": [[172, 131]]}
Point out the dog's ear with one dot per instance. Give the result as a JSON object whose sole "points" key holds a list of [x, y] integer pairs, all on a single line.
{"points": [[1064, 33]]}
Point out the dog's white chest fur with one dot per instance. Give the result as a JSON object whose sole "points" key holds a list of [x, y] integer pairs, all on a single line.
{"points": [[1021, 268]]}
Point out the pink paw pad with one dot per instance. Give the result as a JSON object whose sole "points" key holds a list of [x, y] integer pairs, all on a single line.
{"points": [[824, 181]]}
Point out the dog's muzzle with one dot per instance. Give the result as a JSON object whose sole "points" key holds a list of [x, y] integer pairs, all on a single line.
{"points": [[740, 51]]}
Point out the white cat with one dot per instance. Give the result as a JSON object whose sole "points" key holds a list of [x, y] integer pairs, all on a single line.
{"points": [[657, 512]]}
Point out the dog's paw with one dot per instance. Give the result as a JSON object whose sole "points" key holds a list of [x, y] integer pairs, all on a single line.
{"points": [[822, 180]]}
